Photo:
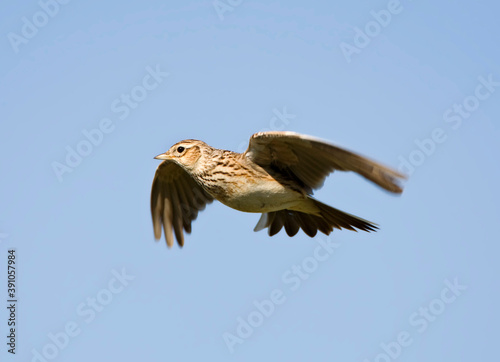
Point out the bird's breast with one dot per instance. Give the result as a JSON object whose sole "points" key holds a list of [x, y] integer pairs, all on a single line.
{"points": [[255, 195]]}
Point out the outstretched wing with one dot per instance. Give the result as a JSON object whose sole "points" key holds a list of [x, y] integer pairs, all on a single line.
{"points": [[309, 160], [176, 199]]}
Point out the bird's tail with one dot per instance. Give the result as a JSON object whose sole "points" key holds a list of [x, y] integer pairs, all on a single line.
{"points": [[327, 219]]}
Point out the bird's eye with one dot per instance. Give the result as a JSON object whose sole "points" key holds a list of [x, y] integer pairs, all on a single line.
{"points": [[180, 149]]}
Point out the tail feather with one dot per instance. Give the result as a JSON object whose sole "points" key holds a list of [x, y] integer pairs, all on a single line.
{"points": [[342, 220], [292, 225], [328, 219], [277, 224]]}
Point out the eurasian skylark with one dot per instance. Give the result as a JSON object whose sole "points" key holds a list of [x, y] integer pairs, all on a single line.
{"points": [[275, 176]]}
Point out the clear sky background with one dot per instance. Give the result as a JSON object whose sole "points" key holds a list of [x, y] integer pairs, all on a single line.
{"points": [[420, 92]]}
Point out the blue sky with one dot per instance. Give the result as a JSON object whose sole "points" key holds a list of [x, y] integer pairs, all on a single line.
{"points": [[91, 92]]}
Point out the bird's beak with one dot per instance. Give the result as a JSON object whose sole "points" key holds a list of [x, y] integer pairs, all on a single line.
{"points": [[163, 156]]}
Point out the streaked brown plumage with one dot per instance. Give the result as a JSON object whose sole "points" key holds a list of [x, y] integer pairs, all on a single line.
{"points": [[275, 176]]}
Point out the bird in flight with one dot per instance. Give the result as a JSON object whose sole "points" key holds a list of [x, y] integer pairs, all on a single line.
{"points": [[275, 176]]}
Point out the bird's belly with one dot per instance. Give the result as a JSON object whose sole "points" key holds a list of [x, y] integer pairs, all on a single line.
{"points": [[265, 197]]}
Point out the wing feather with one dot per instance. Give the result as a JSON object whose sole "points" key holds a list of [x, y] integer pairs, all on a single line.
{"points": [[311, 160], [176, 199]]}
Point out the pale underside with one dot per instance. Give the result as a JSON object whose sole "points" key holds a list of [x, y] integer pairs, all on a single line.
{"points": [[263, 196]]}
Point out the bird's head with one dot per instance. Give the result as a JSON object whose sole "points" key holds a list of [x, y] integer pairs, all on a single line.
{"points": [[186, 153]]}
